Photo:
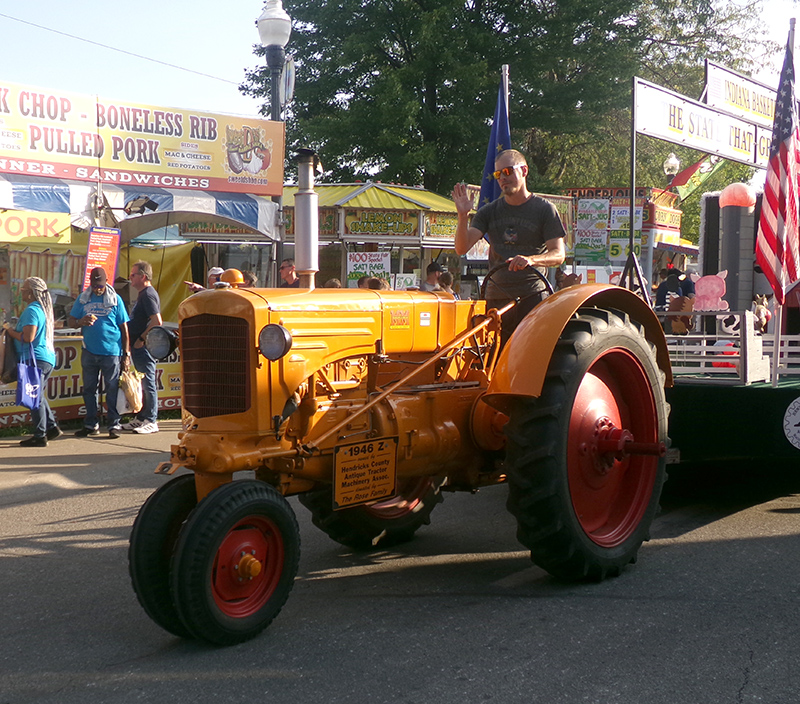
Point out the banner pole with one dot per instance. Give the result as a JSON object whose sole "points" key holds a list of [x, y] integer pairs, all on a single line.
{"points": [[776, 344], [504, 78]]}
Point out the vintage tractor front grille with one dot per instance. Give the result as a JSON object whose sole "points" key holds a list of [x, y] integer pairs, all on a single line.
{"points": [[215, 352]]}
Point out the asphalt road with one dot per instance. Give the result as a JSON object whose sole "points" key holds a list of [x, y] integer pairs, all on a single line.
{"points": [[708, 614]]}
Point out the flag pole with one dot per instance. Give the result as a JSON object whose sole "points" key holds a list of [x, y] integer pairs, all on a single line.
{"points": [[776, 345], [777, 238], [504, 78]]}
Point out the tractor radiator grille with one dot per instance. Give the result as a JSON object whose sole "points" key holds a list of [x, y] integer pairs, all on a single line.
{"points": [[215, 352]]}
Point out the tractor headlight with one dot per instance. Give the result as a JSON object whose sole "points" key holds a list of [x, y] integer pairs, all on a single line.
{"points": [[274, 341], [160, 342]]}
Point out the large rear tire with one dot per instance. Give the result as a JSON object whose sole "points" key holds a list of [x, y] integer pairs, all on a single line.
{"points": [[153, 537], [583, 494], [235, 562], [388, 522]]}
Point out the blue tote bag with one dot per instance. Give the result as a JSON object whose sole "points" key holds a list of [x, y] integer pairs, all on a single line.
{"points": [[29, 382]]}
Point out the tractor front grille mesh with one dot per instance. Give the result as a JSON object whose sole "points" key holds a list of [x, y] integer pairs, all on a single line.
{"points": [[215, 352]]}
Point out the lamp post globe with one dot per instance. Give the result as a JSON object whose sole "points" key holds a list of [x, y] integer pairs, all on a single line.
{"points": [[671, 167], [274, 29]]}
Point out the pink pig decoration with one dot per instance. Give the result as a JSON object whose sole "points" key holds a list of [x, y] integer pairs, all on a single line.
{"points": [[709, 291]]}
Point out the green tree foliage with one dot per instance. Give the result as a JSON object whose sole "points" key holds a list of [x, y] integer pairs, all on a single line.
{"points": [[404, 90], [675, 38]]}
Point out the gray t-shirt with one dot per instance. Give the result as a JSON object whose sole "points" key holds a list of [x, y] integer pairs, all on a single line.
{"points": [[517, 229]]}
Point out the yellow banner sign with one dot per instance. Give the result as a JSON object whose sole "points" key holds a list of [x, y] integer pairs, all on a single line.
{"points": [[380, 222], [70, 136], [23, 227], [440, 225]]}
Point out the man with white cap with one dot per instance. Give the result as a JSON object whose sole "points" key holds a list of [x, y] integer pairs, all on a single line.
{"points": [[213, 276]]}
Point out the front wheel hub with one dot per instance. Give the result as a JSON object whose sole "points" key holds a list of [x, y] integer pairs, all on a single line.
{"points": [[248, 567]]}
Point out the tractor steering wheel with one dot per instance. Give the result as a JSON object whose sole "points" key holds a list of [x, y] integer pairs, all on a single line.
{"points": [[504, 265]]}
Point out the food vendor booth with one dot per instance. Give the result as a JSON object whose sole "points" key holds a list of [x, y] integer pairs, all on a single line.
{"points": [[376, 229], [601, 236], [70, 163]]}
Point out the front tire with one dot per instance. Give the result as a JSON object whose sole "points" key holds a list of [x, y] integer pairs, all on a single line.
{"points": [[153, 537], [388, 522], [235, 562], [583, 495]]}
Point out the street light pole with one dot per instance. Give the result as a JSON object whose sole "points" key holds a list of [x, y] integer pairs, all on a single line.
{"points": [[276, 58], [274, 29]]}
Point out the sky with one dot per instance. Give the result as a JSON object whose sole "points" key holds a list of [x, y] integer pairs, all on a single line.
{"points": [[206, 36], [776, 22]]}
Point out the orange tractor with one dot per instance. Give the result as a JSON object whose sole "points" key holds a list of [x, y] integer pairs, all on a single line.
{"points": [[370, 404]]}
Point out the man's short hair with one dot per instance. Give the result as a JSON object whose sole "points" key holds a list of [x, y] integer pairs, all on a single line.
{"points": [[377, 284], [434, 266], [290, 262], [145, 268], [516, 157]]}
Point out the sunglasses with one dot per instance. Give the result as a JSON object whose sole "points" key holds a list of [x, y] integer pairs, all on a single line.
{"points": [[507, 171], [285, 266]]}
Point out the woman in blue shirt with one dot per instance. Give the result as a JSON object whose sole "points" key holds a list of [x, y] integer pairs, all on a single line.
{"points": [[35, 326]]}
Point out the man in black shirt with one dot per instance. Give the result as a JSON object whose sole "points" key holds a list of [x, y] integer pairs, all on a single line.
{"points": [[524, 231], [146, 314], [288, 274]]}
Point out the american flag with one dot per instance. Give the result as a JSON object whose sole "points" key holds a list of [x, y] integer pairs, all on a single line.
{"points": [[777, 241]]}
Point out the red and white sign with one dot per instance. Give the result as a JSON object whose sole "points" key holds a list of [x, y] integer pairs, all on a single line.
{"points": [[103, 251]]}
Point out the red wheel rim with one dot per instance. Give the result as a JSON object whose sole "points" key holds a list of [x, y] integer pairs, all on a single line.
{"points": [[610, 495], [247, 567], [406, 501]]}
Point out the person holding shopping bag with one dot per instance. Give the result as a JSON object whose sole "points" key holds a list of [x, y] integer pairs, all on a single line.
{"points": [[145, 316], [35, 327]]}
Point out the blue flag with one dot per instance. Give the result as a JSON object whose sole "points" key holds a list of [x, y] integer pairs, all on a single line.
{"points": [[499, 139]]}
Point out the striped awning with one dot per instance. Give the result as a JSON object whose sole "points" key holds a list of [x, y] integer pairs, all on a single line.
{"points": [[685, 247], [174, 205]]}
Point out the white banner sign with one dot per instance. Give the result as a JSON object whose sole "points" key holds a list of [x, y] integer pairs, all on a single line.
{"points": [[360, 264], [667, 115], [739, 95]]}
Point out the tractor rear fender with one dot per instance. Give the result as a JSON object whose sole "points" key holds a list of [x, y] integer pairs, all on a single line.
{"points": [[523, 362]]}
